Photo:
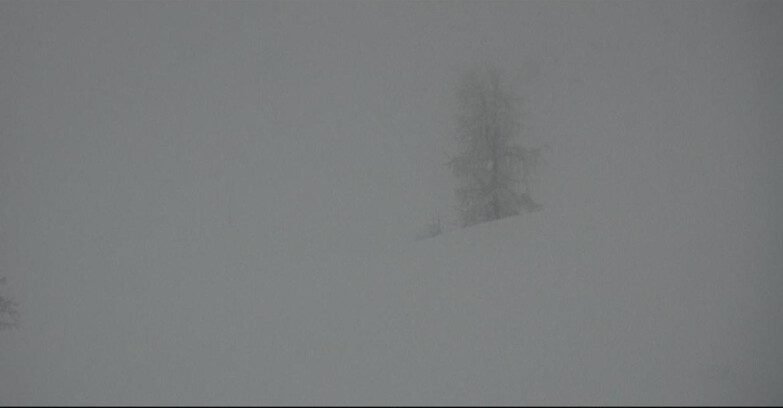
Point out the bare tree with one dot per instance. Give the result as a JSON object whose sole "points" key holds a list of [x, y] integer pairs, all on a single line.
{"points": [[9, 316], [493, 172]]}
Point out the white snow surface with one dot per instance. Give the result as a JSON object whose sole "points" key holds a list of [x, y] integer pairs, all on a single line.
{"points": [[500, 313]]}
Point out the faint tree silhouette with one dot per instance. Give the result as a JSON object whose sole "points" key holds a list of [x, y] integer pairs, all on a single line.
{"points": [[9, 315], [489, 164]]}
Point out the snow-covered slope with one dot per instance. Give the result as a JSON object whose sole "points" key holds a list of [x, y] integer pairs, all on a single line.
{"points": [[538, 311]]}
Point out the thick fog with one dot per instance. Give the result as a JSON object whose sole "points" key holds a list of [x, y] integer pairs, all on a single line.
{"points": [[217, 202]]}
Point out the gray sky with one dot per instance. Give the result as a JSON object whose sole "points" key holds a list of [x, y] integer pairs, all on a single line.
{"points": [[151, 151]]}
